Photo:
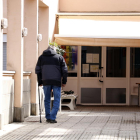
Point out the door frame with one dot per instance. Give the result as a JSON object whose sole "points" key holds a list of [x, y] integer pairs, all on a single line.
{"points": [[103, 88], [127, 78], [79, 79]]}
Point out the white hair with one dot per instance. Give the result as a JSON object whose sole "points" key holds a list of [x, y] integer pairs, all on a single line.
{"points": [[52, 47]]}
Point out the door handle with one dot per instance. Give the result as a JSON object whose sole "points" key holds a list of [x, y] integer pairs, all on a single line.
{"points": [[100, 73], [101, 67]]}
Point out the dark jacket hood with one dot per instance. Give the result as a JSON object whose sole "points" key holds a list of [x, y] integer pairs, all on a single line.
{"points": [[49, 52]]}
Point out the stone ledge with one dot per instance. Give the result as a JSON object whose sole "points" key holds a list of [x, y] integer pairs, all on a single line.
{"points": [[26, 73], [9, 73]]}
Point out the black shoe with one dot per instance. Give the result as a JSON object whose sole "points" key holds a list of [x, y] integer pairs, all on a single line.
{"points": [[48, 120], [53, 121]]}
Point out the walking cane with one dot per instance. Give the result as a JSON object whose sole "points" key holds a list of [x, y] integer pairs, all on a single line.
{"points": [[39, 104]]}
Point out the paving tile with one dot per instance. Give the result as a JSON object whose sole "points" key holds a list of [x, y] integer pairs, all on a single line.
{"points": [[84, 123]]}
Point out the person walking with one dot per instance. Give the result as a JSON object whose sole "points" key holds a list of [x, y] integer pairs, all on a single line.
{"points": [[51, 71]]}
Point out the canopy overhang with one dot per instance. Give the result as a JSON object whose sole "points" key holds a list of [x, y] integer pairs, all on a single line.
{"points": [[116, 41], [99, 30]]}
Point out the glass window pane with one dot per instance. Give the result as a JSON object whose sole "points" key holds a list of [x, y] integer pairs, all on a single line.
{"points": [[134, 62], [70, 57], [116, 62], [90, 61]]}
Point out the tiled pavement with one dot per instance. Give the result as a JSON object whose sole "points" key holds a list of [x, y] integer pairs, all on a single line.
{"points": [[84, 123]]}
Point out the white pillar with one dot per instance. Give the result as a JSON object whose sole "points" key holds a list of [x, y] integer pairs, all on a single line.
{"points": [[31, 49], [15, 52], [1, 62], [43, 28]]}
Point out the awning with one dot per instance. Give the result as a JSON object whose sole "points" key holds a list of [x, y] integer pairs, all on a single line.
{"points": [[88, 41], [99, 30]]}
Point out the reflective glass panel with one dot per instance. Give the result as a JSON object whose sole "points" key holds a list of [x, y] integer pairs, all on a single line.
{"points": [[134, 62], [116, 62]]}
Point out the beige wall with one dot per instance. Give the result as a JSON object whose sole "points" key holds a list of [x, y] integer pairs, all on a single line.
{"points": [[1, 62], [15, 46], [53, 9], [1, 50], [24, 13], [5, 8], [43, 28], [30, 43], [99, 6]]}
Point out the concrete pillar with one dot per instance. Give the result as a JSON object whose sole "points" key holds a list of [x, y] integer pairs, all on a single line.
{"points": [[43, 28], [1, 62], [31, 49], [5, 13], [15, 52]]}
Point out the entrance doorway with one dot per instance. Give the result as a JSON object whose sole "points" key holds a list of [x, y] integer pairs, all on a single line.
{"points": [[103, 75], [103, 79]]}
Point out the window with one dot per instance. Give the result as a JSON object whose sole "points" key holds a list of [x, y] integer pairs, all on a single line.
{"points": [[116, 62], [90, 61], [70, 57], [134, 62]]}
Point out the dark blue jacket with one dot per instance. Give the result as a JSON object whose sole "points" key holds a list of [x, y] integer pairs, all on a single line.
{"points": [[50, 68]]}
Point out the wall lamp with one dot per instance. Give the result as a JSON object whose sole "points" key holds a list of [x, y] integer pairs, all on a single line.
{"points": [[4, 23], [39, 37], [24, 32]]}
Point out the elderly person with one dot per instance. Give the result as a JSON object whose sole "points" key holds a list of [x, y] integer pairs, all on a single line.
{"points": [[50, 69]]}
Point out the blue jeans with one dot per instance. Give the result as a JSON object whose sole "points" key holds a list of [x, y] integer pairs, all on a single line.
{"points": [[51, 114]]}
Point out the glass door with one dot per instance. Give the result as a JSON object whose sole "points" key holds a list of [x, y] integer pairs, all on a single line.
{"points": [[114, 77], [134, 75], [104, 78], [91, 87]]}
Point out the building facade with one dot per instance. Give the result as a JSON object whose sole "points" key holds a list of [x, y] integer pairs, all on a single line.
{"points": [[105, 37], [20, 47], [102, 43]]}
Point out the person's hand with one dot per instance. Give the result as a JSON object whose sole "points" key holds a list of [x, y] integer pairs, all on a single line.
{"points": [[63, 85]]}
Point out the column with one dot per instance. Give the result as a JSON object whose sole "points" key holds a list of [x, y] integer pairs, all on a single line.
{"points": [[79, 76], [128, 95], [43, 28], [31, 49], [15, 52], [1, 62]]}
